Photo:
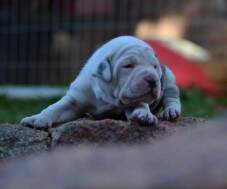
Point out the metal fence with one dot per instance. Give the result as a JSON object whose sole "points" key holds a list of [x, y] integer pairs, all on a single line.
{"points": [[47, 41]]}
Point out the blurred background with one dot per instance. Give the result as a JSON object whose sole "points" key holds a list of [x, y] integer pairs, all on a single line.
{"points": [[44, 44]]}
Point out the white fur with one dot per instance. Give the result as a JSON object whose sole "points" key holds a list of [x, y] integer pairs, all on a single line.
{"points": [[103, 85]]}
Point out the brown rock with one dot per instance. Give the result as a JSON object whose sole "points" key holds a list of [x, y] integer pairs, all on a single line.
{"points": [[16, 140], [190, 158], [114, 131]]}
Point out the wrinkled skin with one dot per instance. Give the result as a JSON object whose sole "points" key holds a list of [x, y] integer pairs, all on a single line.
{"points": [[123, 75]]}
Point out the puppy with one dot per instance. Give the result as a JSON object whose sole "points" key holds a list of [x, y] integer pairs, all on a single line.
{"points": [[122, 76]]}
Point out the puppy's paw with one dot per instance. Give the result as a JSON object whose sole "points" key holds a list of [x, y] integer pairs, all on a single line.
{"points": [[170, 113], [143, 117], [37, 121]]}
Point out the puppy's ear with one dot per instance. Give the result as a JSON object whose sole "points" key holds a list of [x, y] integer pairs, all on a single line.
{"points": [[104, 71]]}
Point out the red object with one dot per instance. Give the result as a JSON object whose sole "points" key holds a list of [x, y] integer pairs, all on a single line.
{"points": [[187, 72]]}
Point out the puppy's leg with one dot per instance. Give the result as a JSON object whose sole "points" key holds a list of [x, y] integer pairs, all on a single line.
{"points": [[171, 99], [62, 111], [142, 115]]}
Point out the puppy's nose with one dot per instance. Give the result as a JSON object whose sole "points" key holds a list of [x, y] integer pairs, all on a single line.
{"points": [[151, 82]]}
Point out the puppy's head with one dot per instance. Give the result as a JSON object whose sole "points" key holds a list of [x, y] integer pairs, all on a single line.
{"points": [[132, 74]]}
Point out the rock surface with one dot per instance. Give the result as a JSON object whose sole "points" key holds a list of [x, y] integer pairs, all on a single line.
{"points": [[16, 140], [113, 132], [189, 158]]}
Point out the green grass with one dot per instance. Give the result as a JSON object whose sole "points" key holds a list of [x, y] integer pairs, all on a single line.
{"points": [[194, 103], [12, 110]]}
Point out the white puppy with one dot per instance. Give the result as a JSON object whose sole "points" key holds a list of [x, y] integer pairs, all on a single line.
{"points": [[122, 76]]}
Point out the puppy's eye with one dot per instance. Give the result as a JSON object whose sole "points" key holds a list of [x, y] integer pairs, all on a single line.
{"points": [[128, 66], [155, 66]]}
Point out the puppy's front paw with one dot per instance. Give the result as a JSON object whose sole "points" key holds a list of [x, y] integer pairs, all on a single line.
{"points": [[144, 117], [170, 113], [37, 121]]}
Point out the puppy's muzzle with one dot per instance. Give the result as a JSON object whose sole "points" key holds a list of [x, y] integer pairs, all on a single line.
{"points": [[151, 82], [143, 84]]}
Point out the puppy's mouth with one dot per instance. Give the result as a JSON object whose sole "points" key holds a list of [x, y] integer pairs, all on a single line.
{"points": [[137, 97], [140, 88], [148, 96]]}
